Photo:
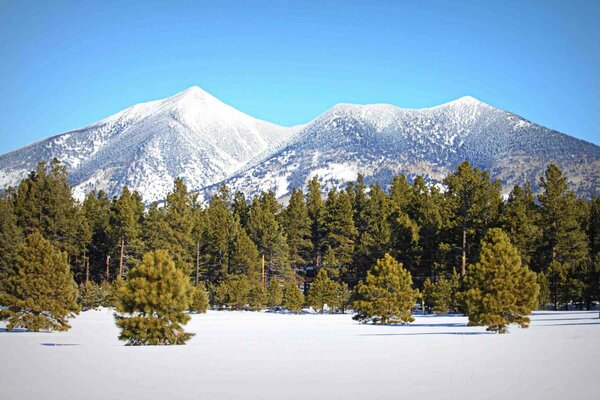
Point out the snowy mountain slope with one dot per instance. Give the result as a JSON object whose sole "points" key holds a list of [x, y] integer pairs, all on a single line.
{"points": [[380, 141], [146, 146]]}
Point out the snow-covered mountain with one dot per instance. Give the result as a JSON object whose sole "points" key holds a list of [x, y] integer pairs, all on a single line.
{"points": [[197, 137], [381, 140], [148, 145]]}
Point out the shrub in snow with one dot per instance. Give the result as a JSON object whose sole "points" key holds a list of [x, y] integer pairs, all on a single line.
{"points": [[152, 302], [200, 301]]}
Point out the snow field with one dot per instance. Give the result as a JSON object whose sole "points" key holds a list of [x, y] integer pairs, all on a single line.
{"points": [[248, 355]]}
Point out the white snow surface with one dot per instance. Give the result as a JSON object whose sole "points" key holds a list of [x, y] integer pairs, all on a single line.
{"points": [[250, 355]]}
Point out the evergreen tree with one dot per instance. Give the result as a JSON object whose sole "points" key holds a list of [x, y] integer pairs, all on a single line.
{"points": [[39, 293], [240, 208], [233, 291], [126, 229], [520, 220], [500, 290], [10, 236], [316, 210], [92, 295], [200, 302], [266, 232], [296, 225], [323, 291], [563, 238], [438, 295], [386, 295], [340, 235], [293, 299], [257, 296], [375, 239], [274, 294], [344, 296], [474, 202], [153, 301]]}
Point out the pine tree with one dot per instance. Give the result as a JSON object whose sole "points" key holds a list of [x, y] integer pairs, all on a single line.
{"points": [[274, 294], [92, 295], [500, 290], [200, 302], [323, 291], [386, 295], [564, 240], [296, 225], [475, 203], [340, 234], [293, 299], [233, 291], [126, 221], [153, 301], [316, 209], [438, 295], [39, 293], [257, 296], [520, 220], [240, 208], [344, 296], [10, 236]]}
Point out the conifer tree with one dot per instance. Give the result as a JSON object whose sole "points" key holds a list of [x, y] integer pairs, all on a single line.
{"points": [[475, 203], [274, 294], [93, 295], [126, 229], [500, 290], [563, 238], [257, 296], [344, 296], [233, 291], [10, 236], [153, 301], [39, 293], [240, 207], [438, 295], [340, 234], [520, 220], [200, 302], [386, 295], [323, 291], [316, 209], [293, 299], [296, 225]]}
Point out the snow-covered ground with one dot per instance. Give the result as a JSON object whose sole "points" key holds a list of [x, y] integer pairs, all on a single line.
{"points": [[245, 355]]}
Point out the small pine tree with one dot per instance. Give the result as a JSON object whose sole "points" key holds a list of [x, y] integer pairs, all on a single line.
{"points": [[39, 293], [274, 294], [91, 296], [386, 295], [233, 292], [153, 301], [500, 291], [257, 296], [323, 291], [438, 295], [200, 303], [344, 295], [293, 299]]}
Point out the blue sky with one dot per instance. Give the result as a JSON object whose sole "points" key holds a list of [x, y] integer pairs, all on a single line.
{"points": [[67, 64]]}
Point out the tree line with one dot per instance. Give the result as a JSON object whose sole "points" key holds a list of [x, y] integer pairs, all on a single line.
{"points": [[252, 253]]}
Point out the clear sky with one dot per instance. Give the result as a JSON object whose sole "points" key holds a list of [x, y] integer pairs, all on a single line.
{"points": [[64, 64]]}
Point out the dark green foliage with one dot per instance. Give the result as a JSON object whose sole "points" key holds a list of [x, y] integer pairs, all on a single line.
{"points": [[316, 210], [386, 295], [296, 225], [323, 291], [274, 293], [500, 290], [153, 301], [233, 292], [39, 293], [438, 295], [340, 234], [293, 299], [93, 295], [257, 296], [200, 303], [10, 236]]}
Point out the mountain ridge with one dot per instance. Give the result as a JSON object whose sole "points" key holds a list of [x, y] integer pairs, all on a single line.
{"points": [[194, 135]]}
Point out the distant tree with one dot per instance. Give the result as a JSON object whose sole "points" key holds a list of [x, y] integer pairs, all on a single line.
{"points": [[200, 303], [438, 295], [500, 290], [39, 293], [233, 291], [296, 225], [153, 301], [10, 236], [340, 234], [274, 294], [293, 299], [93, 295], [316, 210], [474, 202], [323, 291], [257, 296], [386, 295]]}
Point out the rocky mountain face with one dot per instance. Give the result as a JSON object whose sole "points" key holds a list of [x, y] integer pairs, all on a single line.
{"points": [[197, 137]]}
